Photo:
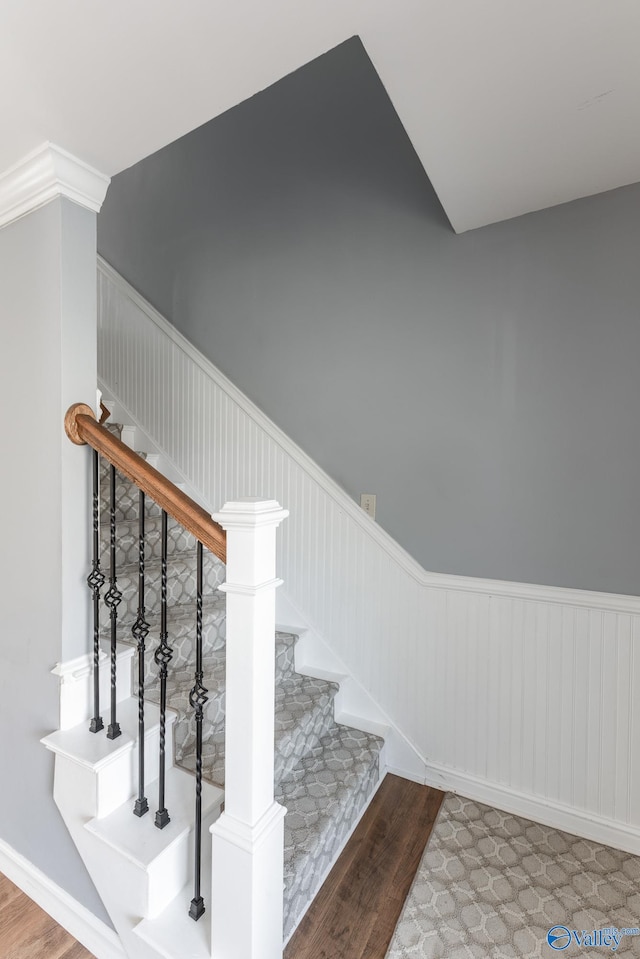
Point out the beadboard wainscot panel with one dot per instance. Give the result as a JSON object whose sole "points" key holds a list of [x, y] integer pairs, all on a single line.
{"points": [[522, 696]]}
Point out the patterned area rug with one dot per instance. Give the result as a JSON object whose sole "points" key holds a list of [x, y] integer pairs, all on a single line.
{"points": [[494, 886]]}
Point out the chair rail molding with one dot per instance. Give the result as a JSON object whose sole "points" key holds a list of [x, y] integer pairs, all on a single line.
{"points": [[514, 694], [44, 174]]}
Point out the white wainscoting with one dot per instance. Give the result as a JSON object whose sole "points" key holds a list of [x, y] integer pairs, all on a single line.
{"points": [[523, 696]]}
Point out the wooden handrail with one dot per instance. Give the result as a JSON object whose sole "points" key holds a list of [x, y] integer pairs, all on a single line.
{"points": [[82, 428]]}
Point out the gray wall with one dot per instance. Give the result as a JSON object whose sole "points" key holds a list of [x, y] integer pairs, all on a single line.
{"points": [[485, 386], [47, 274]]}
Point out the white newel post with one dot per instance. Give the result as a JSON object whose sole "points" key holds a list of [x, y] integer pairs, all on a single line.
{"points": [[247, 839]]}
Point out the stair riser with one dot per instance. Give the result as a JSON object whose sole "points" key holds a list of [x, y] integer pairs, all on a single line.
{"points": [[118, 782], [154, 886], [175, 868], [303, 735], [96, 793], [285, 658], [183, 643]]}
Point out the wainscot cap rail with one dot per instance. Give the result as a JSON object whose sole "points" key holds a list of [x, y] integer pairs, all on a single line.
{"points": [[82, 429]]}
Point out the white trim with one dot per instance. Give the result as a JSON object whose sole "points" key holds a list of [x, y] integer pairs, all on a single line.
{"points": [[94, 934], [531, 592], [247, 837], [578, 822], [538, 685], [76, 684], [43, 175]]}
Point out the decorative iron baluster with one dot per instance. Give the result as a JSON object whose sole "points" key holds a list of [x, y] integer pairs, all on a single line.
{"points": [[198, 697], [95, 581], [162, 656], [113, 599], [140, 631]]}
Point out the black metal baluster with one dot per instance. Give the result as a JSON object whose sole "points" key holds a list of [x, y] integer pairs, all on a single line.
{"points": [[112, 599], [95, 580], [162, 656], [198, 697], [140, 631]]}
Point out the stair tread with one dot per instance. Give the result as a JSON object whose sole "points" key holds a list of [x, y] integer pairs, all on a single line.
{"points": [[95, 750], [138, 838]]}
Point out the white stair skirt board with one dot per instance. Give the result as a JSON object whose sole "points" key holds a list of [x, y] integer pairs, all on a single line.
{"points": [[525, 693], [79, 921]]}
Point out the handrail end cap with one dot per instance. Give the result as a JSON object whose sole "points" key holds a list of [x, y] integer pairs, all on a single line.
{"points": [[71, 424]]}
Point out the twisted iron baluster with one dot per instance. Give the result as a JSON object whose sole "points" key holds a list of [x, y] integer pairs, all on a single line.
{"points": [[198, 698], [95, 581], [113, 599], [140, 631], [162, 656]]}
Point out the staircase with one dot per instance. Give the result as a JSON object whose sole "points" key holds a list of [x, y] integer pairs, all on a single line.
{"points": [[325, 773]]}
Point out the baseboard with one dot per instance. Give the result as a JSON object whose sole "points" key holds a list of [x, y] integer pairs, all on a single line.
{"points": [[94, 934], [557, 815]]}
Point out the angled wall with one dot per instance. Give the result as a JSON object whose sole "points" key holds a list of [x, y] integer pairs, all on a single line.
{"points": [[484, 386]]}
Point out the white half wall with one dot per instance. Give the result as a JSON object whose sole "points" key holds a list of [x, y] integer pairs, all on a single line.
{"points": [[517, 695]]}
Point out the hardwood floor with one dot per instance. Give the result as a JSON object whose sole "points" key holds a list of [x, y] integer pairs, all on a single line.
{"points": [[27, 932], [353, 916], [355, 912]]}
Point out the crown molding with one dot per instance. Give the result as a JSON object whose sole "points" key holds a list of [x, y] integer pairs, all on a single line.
{"points": [[45, 174]]}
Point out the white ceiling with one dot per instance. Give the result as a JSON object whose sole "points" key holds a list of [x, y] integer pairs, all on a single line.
{"points": [[512, 105]]}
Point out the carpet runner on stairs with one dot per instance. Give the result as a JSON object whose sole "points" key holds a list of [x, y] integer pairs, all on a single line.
{"points": [[325, 773]]}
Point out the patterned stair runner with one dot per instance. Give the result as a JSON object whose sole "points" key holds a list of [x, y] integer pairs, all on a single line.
{"points": [[325, 773]]}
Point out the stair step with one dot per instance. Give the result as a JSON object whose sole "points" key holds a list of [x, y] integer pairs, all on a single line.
{"points": [[174, 933], [127, 532], [114, 760], [324, 799], [181, 583], [304, 714], [181, 669], [181, 629], [137, 838], [161, 858]]}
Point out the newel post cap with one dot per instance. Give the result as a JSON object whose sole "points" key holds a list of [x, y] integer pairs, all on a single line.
{"points": [[250, 513]]}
